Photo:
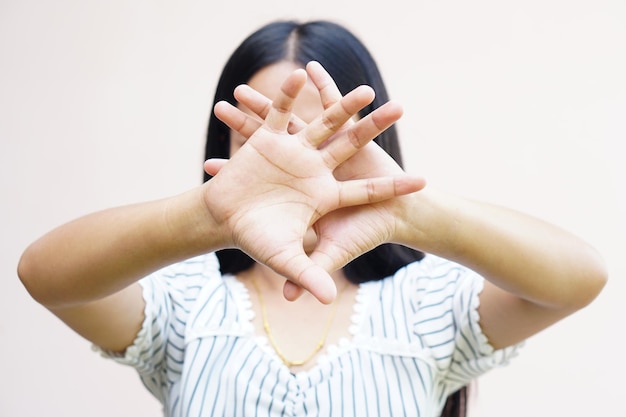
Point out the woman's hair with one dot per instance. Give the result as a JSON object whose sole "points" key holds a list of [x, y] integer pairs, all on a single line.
{"points": [[350, 64]]}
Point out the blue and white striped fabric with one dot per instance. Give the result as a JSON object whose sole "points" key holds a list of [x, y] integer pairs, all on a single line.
{"points": [[415, 340]]}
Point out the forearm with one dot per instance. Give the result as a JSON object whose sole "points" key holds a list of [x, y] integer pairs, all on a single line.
{"points": [[101, 253], [530, 258]]}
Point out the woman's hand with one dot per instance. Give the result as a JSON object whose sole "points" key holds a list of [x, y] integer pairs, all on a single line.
{"points": [[279, 184], [536, 273], [368, 226]]}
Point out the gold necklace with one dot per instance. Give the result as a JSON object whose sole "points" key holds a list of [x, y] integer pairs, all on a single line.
{"points": [[270, 335]]}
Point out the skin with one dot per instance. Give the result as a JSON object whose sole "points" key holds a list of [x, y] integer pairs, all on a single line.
{"points": [[263, 201], [289, 177], [307, 106], [307, 313], [536, 273]]}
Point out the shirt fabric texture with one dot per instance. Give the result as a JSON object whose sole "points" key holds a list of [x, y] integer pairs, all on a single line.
{"points": [[414, 340]]}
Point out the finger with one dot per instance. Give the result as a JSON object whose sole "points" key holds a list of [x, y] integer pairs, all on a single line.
{"points": [[329, 92], [361, 133], [318, 282], [374, 190], [213, 165], [235, 119], [298, 268], [331, 256], [333, 118], [334, 251], [261, 105], [278, 116], [292, 291], [253, 100]]}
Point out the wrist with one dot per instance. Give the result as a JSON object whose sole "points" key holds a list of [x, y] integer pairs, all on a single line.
{"points": [[423, 221], [191, 225]]}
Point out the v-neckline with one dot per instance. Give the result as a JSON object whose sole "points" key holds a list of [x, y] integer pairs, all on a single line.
{"points": [[329, 353]]}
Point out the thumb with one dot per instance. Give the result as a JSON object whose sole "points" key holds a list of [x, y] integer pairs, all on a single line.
{"points": [[292, 262], [317, 281], [330, 255], [303, 273], [213, 165], [292, 291]]}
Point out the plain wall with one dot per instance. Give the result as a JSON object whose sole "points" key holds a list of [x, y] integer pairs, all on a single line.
{"points": [[518, 103]]}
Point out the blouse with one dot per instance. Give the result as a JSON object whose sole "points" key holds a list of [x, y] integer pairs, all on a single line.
{"points": [[415, 339]]}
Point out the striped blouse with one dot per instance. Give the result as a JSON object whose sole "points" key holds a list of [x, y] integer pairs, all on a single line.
{"points": [[415, 339]]}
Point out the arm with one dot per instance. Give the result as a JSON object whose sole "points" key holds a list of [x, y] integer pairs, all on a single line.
{"points": [[262, 201], [536, 273], [85, 271]]}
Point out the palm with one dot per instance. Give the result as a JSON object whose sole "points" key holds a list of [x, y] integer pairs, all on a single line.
{"points": [[279, 184], [270, 194], [355, 230]]}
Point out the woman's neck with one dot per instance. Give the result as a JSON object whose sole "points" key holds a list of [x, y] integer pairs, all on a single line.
{"points": [[296, 329]]}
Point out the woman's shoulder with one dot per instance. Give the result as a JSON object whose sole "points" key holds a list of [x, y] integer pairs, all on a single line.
{"points": [[181, 283], [434, 273]]}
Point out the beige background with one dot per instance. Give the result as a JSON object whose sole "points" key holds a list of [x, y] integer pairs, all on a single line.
{"points": [[518, 103]]}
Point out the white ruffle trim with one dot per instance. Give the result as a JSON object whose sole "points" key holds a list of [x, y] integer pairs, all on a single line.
{"points": [[242, 300], [490, 356], [141, 343]]}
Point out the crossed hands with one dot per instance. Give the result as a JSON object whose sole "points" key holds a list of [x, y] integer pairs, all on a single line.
{"points": [[291, 176]]}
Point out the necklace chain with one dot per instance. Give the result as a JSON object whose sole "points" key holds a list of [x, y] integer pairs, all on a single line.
{"points": [[268, 330]]}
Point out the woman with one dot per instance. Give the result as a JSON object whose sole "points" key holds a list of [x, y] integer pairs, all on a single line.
{"points": [[396, 331], [350, 64]]}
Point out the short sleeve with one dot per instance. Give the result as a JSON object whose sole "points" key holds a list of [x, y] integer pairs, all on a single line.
{"points": [[169, 294], [448, 323], [473, 355]]}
